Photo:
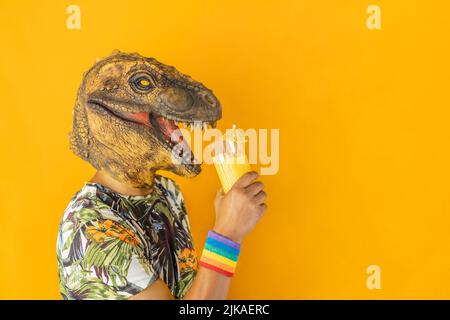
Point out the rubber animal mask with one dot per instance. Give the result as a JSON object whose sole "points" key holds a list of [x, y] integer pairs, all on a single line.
{"points": [[127, 108]]}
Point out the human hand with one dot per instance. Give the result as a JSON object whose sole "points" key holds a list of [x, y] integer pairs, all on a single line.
{"points": [[239, 210]]}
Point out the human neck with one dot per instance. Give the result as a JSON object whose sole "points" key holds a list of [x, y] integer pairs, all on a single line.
{"points": [[106, 180]]}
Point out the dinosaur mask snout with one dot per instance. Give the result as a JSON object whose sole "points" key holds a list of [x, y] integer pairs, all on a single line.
{"points": [[177, 99], [188, 105]]}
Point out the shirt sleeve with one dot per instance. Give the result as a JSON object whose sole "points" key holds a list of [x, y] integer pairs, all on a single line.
{"points": [[100, 257]]}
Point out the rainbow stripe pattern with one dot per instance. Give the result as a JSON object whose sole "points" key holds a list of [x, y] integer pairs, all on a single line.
{"points": [[220, 254]]}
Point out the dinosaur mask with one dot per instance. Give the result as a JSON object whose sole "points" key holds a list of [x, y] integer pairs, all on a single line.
{"points": [[127, 108]]}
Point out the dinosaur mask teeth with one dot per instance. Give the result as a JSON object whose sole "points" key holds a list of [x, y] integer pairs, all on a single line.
{"points": [[171, 138], [196, 125]]}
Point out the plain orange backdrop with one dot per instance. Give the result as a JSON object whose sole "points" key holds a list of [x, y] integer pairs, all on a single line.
{"points": [[364, 134]]}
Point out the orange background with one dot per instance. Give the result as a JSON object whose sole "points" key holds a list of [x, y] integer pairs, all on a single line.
{"points": [[364, 135]]}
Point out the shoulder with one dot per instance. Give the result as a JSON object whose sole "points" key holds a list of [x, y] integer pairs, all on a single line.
{"points": [[85, 205], [86, 214], [100, 255]]}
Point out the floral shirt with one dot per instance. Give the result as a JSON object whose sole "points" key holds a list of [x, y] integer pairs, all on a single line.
{"points": [[112, 246]]}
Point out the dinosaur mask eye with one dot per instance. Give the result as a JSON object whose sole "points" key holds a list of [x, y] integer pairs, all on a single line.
{"points": [[141, 82]]}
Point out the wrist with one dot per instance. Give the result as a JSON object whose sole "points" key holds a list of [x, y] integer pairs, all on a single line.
{"points": [[228, 234], [220, 254]]}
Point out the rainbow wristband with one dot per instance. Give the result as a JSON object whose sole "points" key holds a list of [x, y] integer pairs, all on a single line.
{"points": [[220, 254]]}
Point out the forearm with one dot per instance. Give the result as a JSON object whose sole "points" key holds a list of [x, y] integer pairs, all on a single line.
{"points": [[209, 285], [217, 266]]}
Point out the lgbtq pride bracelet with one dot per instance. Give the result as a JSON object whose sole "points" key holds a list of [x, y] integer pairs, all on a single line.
{"points": [[220, 254]]}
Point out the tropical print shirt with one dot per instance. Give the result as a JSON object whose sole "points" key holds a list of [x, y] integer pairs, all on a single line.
{"points": [[112, 246]]}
